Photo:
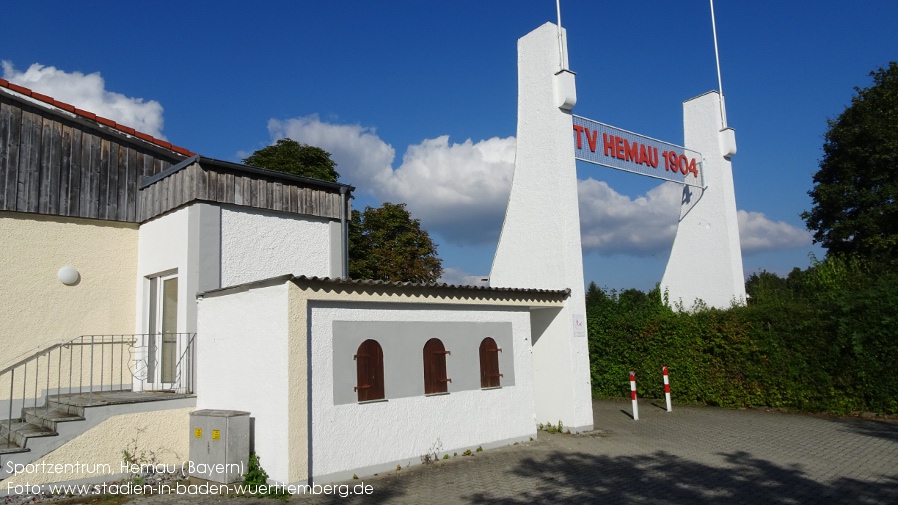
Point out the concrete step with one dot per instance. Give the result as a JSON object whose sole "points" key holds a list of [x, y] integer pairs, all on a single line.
{"points": [[63, 404], [9, 447], [22, 431], [48, 418]]}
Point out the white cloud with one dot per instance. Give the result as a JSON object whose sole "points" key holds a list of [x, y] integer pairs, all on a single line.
{"points": [[460, 191], [612, 223], [457, 190], [362, 157], [459, 277], [88, 92], [758, 234]]}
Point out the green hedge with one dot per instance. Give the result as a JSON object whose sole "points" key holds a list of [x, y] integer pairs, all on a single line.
{"points": [[823, 339]]}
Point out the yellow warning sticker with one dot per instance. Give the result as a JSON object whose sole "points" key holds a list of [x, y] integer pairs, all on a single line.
{"points": [[198, 433], [216, 434]]}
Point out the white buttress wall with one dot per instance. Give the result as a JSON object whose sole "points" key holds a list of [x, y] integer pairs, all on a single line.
{"points": [[540, 242], [706, 260]]}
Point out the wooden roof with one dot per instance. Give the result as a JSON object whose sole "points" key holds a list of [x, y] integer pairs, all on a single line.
{"points": [[90, 116], [210, 180], [59, 160]]}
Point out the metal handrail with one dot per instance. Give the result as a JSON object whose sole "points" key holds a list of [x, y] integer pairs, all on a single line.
{"points": [[185, 366], [72, 367]]}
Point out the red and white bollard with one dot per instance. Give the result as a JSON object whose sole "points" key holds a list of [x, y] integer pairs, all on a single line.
{"points": [[633, 395], [666, 388]]}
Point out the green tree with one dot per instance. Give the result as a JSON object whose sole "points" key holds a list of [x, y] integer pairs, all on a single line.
{"points": [[855, 191], [594, 294], [387, 244], [288, 155]]}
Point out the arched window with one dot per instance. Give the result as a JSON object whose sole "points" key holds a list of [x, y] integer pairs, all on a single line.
{"points": [[489, 363], [435, 380], [369, 366]]}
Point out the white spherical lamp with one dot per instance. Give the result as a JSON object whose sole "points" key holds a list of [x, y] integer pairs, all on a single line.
{"points": [[68, 275]]}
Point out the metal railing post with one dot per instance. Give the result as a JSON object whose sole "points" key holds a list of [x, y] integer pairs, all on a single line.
{"points": [[102, 360], [91, 394], [190, 345], [70, 373], [58, 375], [37, 373], [81, 365], [12, 380], [111, 360], [24, 383], [49, 366], [121, 363]]}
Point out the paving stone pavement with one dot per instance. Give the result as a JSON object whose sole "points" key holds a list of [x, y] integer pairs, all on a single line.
{"points": [[693, 455]]}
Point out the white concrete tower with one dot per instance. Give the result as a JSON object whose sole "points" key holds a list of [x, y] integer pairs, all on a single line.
{"points": [[540, 242], [706, 260]]}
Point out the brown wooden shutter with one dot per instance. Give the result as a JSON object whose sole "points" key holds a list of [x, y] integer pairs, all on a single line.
{"points": [[435, 380], [369, 366], [489, 364]]}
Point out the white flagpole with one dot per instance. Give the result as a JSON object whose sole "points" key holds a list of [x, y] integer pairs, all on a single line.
{"points": [[723, 112], [560, 41]]}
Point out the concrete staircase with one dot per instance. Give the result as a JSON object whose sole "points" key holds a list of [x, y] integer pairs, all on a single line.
{"points": [[54, 395], [62, 418], [35, 422]]}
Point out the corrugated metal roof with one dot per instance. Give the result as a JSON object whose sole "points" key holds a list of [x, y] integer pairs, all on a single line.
{"points": [[432, 285], [361, 283]]}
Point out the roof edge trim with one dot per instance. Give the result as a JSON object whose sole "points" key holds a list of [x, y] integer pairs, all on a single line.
{"points": [[71, 109], [364, 283], [228, 165]]}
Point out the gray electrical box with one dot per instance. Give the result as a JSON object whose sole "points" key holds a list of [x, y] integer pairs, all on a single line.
{"points": [[219, 445]]}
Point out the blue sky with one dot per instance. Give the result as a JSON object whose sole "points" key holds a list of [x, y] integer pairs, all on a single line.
{"points": [[417, 100]]}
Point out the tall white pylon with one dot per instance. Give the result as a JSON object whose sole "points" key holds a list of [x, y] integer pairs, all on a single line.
{"points": [[540, 242], [706, 260]]}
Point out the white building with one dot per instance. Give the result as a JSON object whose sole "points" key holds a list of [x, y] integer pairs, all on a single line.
{"points": [[142, 282], [357, 377]]}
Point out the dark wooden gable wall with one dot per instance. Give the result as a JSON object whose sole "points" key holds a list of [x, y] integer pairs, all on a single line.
{"points": [[221, 182], [50, 164]]}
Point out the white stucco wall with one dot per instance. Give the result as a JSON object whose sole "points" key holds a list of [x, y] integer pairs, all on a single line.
{"points": [[373, 437], [258, 244], [211, 246], [162, 248], [706, 259], [242, 365], [552, 371], [540, 242], [253, 356]]}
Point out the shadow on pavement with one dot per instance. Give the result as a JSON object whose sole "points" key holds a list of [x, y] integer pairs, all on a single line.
{"points": [[887, 430], [663, 478]]}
